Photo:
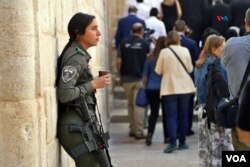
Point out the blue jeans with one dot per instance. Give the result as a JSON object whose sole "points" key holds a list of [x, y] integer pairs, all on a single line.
{"points": [[176, 107]]}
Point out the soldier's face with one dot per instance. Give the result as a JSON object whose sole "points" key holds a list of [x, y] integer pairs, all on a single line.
{"points": [[91, 35]]}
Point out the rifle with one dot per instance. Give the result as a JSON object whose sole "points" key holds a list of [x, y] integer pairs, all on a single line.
{"points": [[100, 138]]}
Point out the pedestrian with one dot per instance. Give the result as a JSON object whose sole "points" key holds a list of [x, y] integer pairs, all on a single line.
{"points": [[153, 23], [143, 9], [213, 139], [194, 13], [156, 26], [219, 17], [180, 26], [232, 31], [79, 131], [174, 64], [208, 31], [152, 82], [238, 9], [130, 61], [125, 24], [235, 58], [170, 12]]}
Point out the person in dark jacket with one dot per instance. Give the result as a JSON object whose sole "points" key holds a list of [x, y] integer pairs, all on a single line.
{"points": [[132, 54], [125, 24], [194, 13], [219, 17], [79, 131], [238, 8]]}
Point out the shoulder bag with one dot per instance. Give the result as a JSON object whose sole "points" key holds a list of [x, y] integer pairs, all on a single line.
{"points": [[179, 60], [227, 109]]}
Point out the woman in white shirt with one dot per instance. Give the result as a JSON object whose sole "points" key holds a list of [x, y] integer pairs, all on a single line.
{"points": [[176, 88]]}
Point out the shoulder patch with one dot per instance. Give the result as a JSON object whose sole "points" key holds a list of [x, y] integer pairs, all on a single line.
{"points": [[80, 51], [68, 73]]}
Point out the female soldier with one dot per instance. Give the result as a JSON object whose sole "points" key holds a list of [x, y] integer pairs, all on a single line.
{"points": [[79, 130]]}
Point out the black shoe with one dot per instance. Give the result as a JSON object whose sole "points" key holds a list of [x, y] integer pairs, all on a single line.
{"points": [[166, 140], [148, 141], [183, 146], [190, 133], [170, 148]]}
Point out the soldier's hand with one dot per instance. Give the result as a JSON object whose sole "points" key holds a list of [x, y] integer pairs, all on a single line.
{"points": [[102, 81]]}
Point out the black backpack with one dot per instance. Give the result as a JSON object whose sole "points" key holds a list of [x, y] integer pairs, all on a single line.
{"points": [[216, 89]]}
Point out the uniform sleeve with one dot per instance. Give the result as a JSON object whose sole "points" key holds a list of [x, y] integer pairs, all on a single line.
{"points": [[68, 89]]}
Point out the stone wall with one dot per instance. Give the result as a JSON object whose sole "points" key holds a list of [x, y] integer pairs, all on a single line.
{"points": [[32, 35]]}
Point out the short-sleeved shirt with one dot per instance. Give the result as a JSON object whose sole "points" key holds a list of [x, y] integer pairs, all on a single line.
{"points": [[133, 52]]}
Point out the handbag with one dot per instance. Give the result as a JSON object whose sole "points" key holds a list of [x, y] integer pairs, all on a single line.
{"points": [[226, 112], [141, 98], [227, 109]]}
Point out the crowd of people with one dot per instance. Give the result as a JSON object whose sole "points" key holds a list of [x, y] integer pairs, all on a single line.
{"points": [[169, 54], [172, 66]]}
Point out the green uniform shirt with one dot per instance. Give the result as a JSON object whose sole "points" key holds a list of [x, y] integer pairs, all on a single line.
{"points": [[75, 76]]}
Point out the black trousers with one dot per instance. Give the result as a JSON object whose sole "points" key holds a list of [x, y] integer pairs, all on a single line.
{"points": [[154, 103]]}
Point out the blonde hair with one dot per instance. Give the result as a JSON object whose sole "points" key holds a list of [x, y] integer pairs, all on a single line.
{"points": [[212, 42], [247, 16]]}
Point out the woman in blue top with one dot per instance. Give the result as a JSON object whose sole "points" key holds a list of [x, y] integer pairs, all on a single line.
{"points": [[213, 140], [152, 82]]}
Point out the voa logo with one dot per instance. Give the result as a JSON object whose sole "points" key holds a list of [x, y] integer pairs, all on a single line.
{"points": [[236, 158]]}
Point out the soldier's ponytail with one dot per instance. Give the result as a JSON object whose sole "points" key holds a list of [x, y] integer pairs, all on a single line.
{"points": [[77, 25]]}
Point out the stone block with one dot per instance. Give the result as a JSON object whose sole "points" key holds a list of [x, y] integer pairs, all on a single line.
{"points": [[46, 16], [42, 134], [17, 79], [18, 47], [16, 4], [50, 106], [48, 59], [19, 133], [16, 22], [52, 154]]}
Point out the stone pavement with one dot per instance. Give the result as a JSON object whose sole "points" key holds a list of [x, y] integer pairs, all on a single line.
{"points": [[128, 152]]}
